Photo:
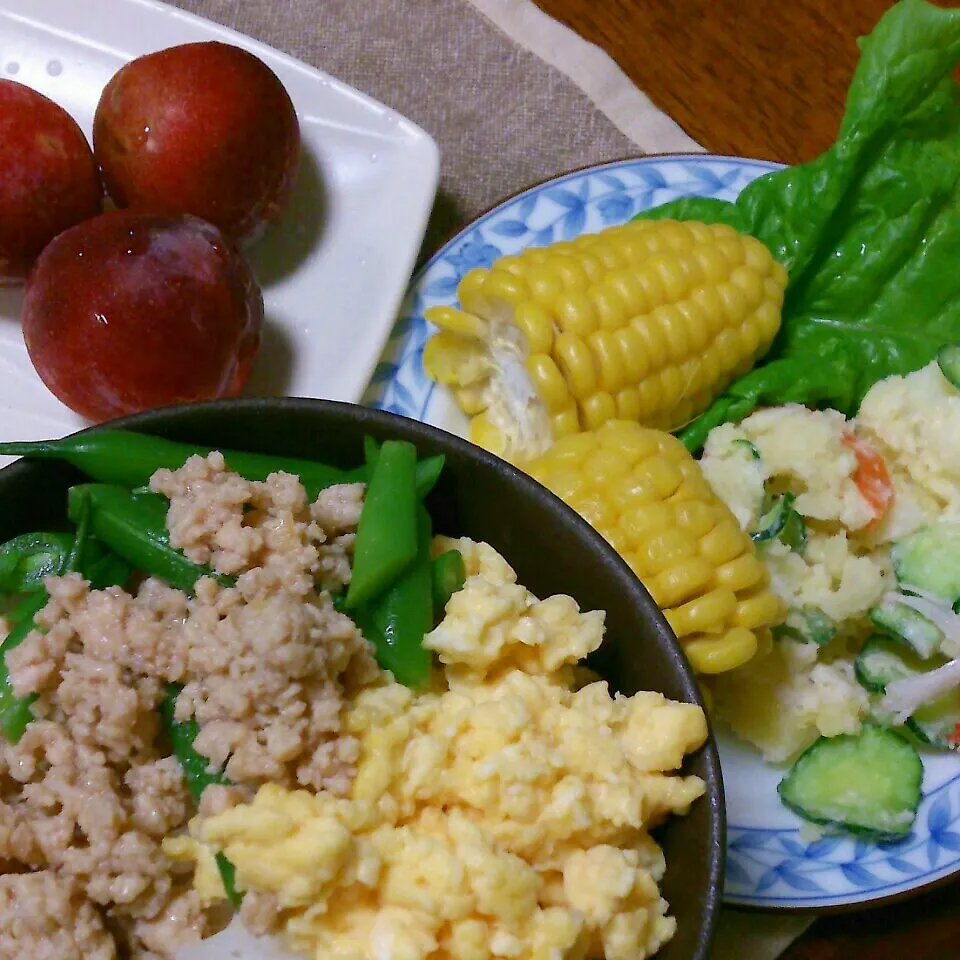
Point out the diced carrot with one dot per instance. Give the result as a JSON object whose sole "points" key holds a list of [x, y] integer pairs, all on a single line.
{"points": [[871, 476]]}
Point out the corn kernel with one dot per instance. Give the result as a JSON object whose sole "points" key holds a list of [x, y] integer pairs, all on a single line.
{"points": [[632, 353], [680, 583], [742, 573], [535, 324], [577, 365], [713, 264], [732, 249], [454, 361], [756, 256], [572, 450], [545, 285], [756, 611], [470, 292], [606, 352], [594, 509], [672, 276], [710, 655], [457, 321], [630, 438], [565, 481], [608, 306], [548, 381], [673, 324], [575, 313], [698, 518], [606, 465], [652, 286], [597, 409], [484, 434], [722, 543], [565, 423], [704, 614], [471, 400], [751, 285], [628, 404], [643, 519]]}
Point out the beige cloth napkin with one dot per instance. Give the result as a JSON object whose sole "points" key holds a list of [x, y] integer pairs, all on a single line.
{"points": [[512, 97]]}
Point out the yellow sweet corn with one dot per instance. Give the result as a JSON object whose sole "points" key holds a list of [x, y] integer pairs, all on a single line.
{"points": [[641, 489], [648, 321]]}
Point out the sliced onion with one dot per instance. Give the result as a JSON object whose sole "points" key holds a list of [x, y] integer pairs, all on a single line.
{"points": [[904, 697], [931, 607]]}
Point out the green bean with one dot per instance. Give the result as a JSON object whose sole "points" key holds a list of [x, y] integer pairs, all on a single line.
{"points": [[129, 459], [386, 541], [26, 559], [197, 773], [449, 575], [396, 622], [134, 527], [427, 474]]}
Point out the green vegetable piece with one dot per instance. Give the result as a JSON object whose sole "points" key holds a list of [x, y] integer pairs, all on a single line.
{"points": [[807, 625], [750, 448], [26, 559], [794, 532], [948, 359], [397, 622], [869, 231], [129, 459], [882, 660], [386, 541], [782, 522], [909, 626], [773, 519], [449, 576], [428, 472], [135, 528], [929, 560], [197, 773], [867, 784], [938, 724]]}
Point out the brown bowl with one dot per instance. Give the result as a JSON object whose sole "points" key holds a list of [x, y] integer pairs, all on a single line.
{"points": [[480, 496]]}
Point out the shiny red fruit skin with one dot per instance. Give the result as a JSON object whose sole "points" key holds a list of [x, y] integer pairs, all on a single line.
{"points": [[130, 311], [48, 178], [202, 128]]}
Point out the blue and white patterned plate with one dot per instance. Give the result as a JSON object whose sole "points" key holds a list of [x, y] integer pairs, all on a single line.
{"points": [[770, 862]]}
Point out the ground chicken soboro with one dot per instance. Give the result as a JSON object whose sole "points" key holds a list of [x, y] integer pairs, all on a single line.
{"points": [[88, 794]]}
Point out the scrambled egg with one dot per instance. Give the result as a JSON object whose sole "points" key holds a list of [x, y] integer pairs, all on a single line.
{"points": [[503, 814], [782, 702]]}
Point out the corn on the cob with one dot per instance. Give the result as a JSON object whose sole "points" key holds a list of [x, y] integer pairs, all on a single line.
{"points": [[649, 321], [641, 489]]}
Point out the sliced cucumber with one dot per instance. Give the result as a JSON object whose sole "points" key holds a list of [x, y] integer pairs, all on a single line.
{"points": [[930, 560], [882, 660], [948, 360], [910, 626], [773, 519], [808, 625], [868, 783], [794, 532], [748, 446], [938, 724]]}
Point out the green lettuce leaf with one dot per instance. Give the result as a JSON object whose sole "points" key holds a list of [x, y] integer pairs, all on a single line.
{"points": [[869, 231]]}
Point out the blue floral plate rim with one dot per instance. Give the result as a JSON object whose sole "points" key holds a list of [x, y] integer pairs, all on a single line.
{"points": [[770, 865]]}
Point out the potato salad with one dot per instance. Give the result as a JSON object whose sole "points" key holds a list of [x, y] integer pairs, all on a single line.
{"points": [[857, 521]]}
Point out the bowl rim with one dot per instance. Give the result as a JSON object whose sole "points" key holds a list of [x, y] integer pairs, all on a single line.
{"points": [[153, 421]]}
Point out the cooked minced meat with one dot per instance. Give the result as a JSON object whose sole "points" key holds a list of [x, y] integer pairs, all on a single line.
{"points": [[42, 917], [87, 795]]}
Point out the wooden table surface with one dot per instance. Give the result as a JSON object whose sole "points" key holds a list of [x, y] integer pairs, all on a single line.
{"points": [[766, 79]]}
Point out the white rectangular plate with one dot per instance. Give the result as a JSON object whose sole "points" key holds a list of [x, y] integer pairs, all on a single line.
{"points": [[333, 271]]}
